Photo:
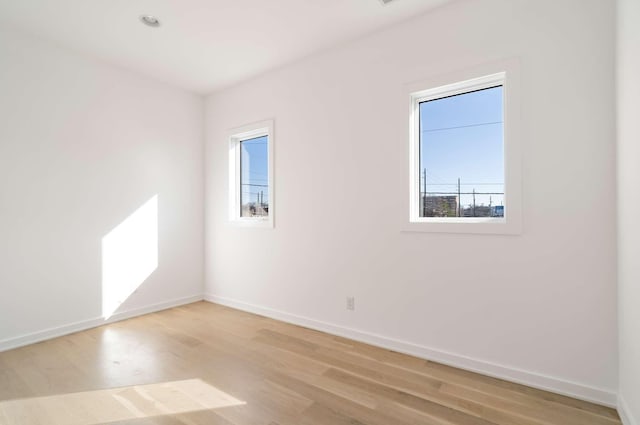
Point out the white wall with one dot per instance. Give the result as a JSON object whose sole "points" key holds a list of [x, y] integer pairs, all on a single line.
{"points": [[82, 146], [539, 307], [628, 206]]}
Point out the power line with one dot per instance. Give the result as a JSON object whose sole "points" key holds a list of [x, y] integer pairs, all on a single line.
{"points": [[448, 184], [462, 126], [465, 193]]}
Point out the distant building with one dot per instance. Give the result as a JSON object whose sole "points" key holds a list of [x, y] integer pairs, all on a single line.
{"points": [[255, 209], [483, 211], [497, 211], [439, 206]]}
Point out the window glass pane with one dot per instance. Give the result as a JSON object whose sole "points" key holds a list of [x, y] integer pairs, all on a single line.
{"points": [[462, 155], [254, 177]]}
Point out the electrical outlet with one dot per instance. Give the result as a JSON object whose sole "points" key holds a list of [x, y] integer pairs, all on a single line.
{"points": [[351, 303]]}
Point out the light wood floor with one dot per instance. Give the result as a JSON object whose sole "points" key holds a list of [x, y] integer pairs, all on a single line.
{"points": [[206, 364]]}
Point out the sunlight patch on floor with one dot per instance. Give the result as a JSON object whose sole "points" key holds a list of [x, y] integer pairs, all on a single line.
{"points": [[116, 404]]}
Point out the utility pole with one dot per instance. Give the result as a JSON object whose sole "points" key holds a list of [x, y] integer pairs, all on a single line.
{"points": [[474, 201], [459, 200], [424, 194]]}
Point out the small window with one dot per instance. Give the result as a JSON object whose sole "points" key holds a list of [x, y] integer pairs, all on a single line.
{"points": [[458, 155], [254, 177], [251, 175]]}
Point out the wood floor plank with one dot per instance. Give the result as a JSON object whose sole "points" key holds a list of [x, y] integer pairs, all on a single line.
{"points": [[277, 373], [512, 411], [481, 382], [343, 406], [396, 380]]}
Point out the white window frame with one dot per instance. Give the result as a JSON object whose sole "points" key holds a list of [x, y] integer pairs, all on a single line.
{"points": [[507, 75], [236, 136]]}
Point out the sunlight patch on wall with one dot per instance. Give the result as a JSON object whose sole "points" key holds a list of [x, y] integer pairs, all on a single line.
{"points": [[117, 404], [129, 256]]}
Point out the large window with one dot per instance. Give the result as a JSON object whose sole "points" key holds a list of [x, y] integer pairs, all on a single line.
{"points": [[251, 175], [462, 154], [459, 163]]}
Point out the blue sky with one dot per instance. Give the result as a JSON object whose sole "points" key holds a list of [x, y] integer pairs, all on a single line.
{"points": [[254, 162], [462, 137]]}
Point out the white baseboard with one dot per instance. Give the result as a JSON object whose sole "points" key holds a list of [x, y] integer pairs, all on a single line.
{"points": [[519, 376], [625, 413], [10, 343]]}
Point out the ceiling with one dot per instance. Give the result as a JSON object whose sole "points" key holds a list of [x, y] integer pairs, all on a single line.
{"points": [[204, 45]]}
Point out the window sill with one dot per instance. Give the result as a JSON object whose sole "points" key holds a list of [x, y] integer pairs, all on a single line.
{"points": [[487, 226], [265, 223]]}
